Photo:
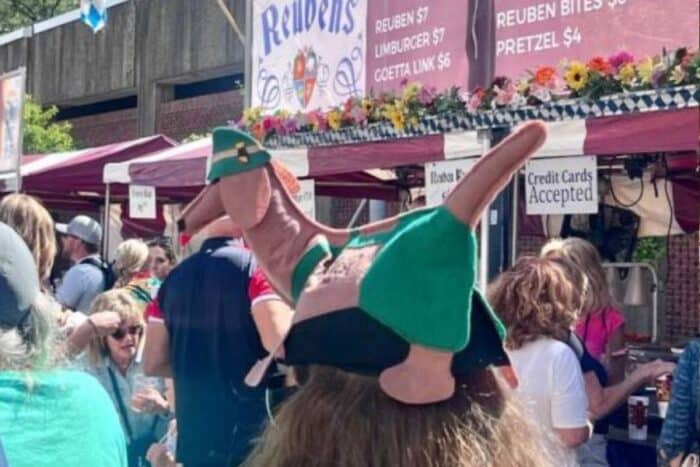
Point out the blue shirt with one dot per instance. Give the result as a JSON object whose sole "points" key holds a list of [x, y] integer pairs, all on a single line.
{"points": [[142, 424], [680, 430], [58, 418], [213, 344], [81, 284]]}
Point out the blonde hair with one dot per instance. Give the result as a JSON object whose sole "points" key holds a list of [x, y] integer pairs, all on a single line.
{"points": [[537, 297], [121, 302], [28, 217], [131, 257], [345, 420], [586, 257]]}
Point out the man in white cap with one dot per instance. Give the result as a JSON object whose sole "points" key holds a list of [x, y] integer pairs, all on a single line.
{"points": [[88, 277]]}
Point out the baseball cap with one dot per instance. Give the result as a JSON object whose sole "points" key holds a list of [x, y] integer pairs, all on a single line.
{"points": [[84, 228], [19, 278]]}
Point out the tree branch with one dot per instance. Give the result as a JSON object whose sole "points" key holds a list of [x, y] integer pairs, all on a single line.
{"points": [[26, 10]]}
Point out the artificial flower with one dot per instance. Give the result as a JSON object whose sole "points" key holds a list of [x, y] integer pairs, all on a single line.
{"points": [[505, 96], [257, 131], [620, 59], [523, 86], [576, 76], [357, 115], [475, 100], [427, 96], [544, 75], [627, 74], [290, 126], [657, 74], [541, 93], [678, 75], [335, 119], [318, 121], [411, 91], [600, 65], [367, 105], [251, 115], [645, 68], [398, 120]]}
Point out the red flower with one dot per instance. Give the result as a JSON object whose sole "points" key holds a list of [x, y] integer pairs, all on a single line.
{"points": [[600, 65], [544, 75]]}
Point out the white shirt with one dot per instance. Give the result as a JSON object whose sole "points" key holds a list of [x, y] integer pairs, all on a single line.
{"points": [[551, 385]]}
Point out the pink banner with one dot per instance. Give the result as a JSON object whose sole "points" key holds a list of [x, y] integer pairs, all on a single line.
{"points": [[531, 33], [421, 40]]}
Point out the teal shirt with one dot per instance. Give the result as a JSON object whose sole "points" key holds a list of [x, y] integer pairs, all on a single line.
{"points": [[59, 417]]}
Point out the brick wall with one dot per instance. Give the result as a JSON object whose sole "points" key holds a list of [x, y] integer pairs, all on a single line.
{"points": [[179, 119], [106, 128], [682, 288]]}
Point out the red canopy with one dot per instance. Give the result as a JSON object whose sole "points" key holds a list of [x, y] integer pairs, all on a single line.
{"points": [[72, 180]]}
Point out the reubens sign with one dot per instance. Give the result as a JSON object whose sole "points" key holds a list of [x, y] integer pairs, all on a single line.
{"points": [[310, 54]]}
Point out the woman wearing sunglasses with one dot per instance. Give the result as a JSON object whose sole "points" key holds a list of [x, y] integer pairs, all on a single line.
{"points": [[112, 336]]}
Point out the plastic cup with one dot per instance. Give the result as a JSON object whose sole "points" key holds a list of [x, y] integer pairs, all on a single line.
{"points": [[141, 386], [638, 408], [663, 393]]}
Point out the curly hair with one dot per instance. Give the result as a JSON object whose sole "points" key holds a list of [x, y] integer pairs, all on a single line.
{"points": [[538, 297], [587, 259]]}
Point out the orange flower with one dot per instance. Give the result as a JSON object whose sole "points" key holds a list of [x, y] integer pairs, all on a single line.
{"points": [[600, 65], [544, 75]]}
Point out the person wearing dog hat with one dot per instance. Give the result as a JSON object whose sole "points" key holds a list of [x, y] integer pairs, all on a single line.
{"points": [[405, 354], [48, 416]]}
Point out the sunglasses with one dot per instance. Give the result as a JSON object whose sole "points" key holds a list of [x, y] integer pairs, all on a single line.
{"points": [[121, 333]]}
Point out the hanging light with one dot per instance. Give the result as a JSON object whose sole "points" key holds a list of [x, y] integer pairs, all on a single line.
{"points": [[615, 285]]}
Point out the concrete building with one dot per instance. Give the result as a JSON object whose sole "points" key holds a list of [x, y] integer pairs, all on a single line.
{"points": [[160, 66]]}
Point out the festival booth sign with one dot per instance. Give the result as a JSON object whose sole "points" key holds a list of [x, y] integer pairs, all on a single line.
{"points": [[11, 111], [316, 54], [533, 33]]}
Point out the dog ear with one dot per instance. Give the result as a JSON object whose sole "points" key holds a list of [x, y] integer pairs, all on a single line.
{"points": [[492, 173]]}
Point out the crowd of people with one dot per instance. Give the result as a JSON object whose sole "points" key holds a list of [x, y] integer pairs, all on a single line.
{"points": [[145, 361]]}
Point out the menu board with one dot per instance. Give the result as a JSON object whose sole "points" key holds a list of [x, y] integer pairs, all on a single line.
{"points": [[417, 40], [310, 54], [531, 33]]}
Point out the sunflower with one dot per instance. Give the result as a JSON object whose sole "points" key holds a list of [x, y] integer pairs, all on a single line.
{"points": [[627, 74], [335, 119], [576, 76]]}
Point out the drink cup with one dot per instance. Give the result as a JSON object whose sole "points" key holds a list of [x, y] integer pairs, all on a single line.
{"points": [[141, 387], [663, 393], [638, 407]]}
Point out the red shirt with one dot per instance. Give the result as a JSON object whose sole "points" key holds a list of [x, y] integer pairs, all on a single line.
{"points": [[259, 290]]}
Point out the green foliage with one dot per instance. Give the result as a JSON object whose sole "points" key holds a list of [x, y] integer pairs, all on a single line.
{"points": [[650, 250], [195, 137], [41, 133], [15, 14]]}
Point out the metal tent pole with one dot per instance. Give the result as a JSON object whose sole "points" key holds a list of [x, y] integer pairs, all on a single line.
{"points": [[106, 224], [484, 233]]}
